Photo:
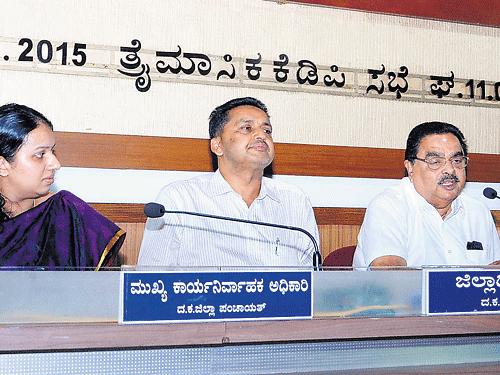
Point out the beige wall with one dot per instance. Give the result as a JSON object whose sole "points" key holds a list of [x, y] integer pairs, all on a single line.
{"points": [[96, 98]]}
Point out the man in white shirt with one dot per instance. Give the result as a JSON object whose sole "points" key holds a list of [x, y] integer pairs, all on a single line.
{"points": [[427, 219], [241, 139]]}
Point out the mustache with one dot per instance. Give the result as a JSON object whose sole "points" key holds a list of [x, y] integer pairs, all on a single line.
{"points": [[447, 177], [256, 143]]}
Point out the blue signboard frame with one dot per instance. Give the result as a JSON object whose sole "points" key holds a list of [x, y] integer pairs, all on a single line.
{"points": [[461, 291], [184, 296]]}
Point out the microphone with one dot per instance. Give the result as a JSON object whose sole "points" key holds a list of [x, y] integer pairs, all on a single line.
{"points": [[155, 210], [490, 193]]}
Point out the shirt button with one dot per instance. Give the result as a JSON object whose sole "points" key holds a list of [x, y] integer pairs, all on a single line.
{"points": [[449, 251]]}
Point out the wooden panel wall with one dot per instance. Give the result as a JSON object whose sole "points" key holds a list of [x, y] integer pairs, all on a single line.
{"points": [[189, 154]]}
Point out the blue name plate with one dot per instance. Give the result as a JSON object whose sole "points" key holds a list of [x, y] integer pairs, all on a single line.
{"points": [[469, 291], [175, 297]]}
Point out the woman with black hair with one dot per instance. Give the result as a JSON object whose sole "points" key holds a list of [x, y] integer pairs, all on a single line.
{"points": [[40, 229]]}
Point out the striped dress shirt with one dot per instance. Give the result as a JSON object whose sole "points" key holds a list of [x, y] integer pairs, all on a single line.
{"points": [[185, 240]]}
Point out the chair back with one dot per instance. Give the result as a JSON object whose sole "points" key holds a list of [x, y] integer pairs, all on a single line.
{"points": [[341, 257]]}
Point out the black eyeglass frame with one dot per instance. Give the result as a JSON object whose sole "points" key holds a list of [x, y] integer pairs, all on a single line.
{"points": [[441, 165]]}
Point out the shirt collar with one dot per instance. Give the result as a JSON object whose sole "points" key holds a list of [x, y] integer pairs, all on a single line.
{"points": [[267, 190], [457, 206], [219, 186]]}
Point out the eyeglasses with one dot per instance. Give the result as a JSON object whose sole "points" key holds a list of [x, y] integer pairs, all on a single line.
{"points": [[436, 162]]}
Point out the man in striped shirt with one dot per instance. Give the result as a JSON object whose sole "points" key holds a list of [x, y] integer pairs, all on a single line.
{"points": [[241, 139]]}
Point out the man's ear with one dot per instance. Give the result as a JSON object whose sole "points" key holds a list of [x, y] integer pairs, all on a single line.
{"points": [[4, 172], [409, 169], [215, 146]]}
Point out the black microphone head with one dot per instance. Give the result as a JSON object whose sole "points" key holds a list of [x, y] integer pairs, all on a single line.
{"points": [[490, 193], [154, 210]]}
